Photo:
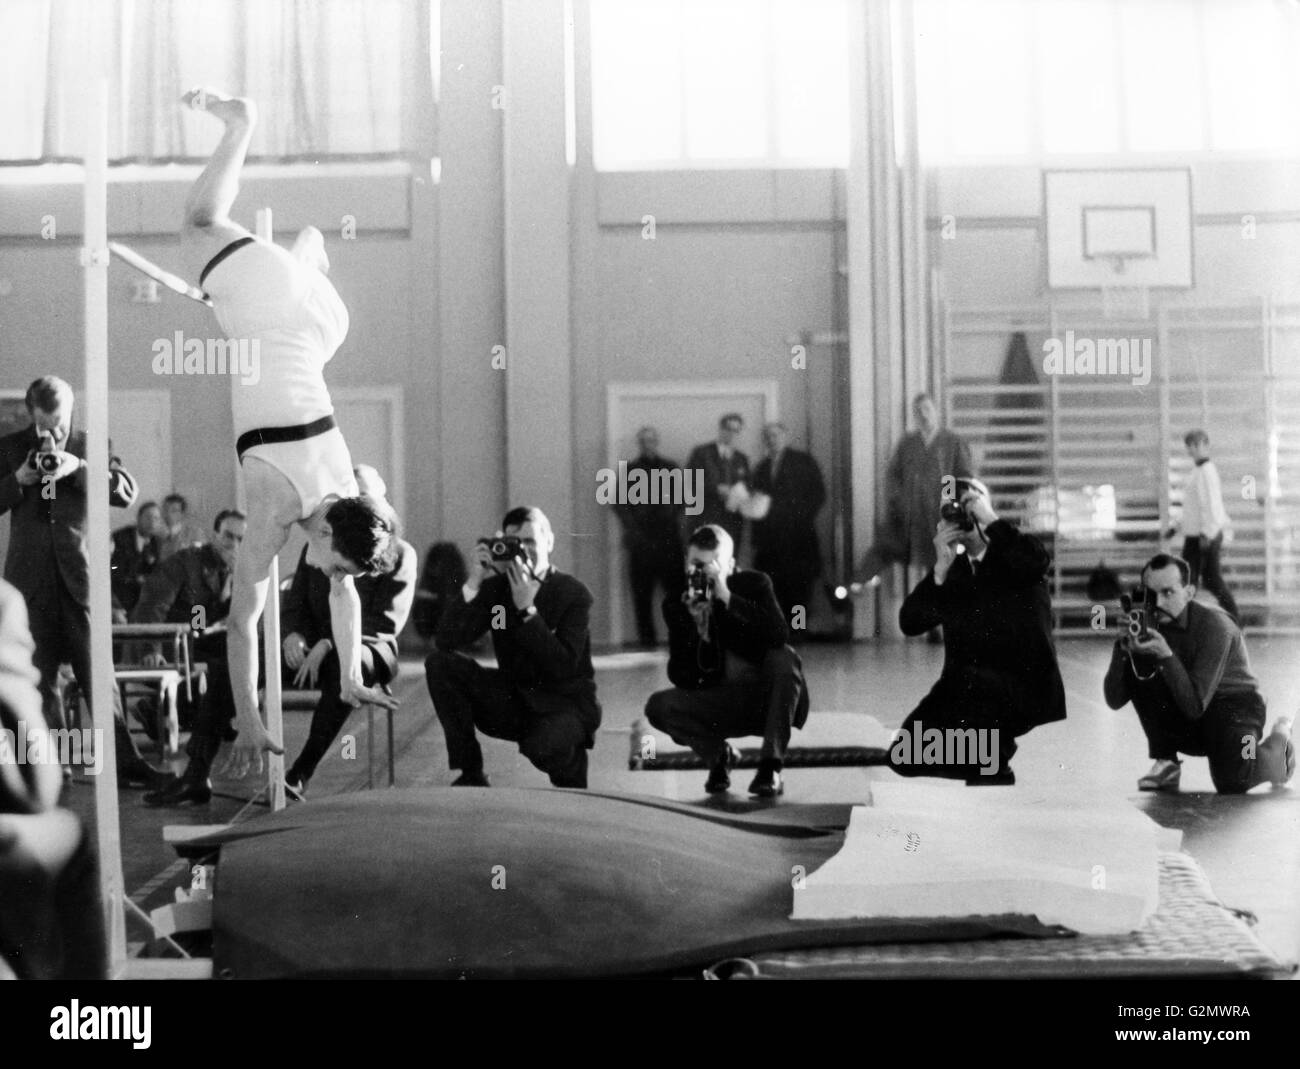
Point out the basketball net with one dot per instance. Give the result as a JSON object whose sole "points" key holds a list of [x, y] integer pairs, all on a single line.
{"points": [[1122, 300]]}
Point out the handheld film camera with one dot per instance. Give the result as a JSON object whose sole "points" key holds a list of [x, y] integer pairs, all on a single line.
{"points": [[697, 582], [504, 548], [953, 511], [46, 458], [1139, 610]]}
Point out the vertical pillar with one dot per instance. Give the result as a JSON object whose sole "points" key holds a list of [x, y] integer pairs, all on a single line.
{"points": [[94, 407], [859, 230], [539, 435], [888, 345], [471, 389]]}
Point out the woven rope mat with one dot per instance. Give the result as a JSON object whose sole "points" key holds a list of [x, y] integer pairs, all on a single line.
{"points": [[1191, 933]]}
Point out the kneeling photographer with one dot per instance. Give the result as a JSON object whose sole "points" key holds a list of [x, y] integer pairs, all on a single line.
{"points": [[1184, 667], [732, 672], [1000, 679], [543, 694]]}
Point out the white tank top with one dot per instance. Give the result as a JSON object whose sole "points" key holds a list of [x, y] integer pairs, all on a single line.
{"points": [[292, 320]]}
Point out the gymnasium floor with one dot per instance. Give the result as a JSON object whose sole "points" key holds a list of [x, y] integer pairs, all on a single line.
{"points": [[1249, 846]]}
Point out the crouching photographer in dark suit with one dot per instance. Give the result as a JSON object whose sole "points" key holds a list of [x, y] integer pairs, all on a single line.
{"points": [[732, 672], [1000, 679], [543, 694]]}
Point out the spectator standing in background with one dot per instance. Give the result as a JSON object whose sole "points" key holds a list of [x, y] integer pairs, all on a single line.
{"points": [[652, 540], [914, 488], [785, 539], [1205, 521], [724, 466]]}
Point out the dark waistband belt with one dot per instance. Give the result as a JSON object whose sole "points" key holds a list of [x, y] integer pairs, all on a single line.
{"points": [[274, 435]]}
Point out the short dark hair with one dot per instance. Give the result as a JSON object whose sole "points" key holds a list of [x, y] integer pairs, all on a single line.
{"points": [[366, 532], [523, 514], [179, 498], [228, 514], [1164, 560], [1196, 437], [146, 505], [47, 393], [729, 417], [710, 537]]}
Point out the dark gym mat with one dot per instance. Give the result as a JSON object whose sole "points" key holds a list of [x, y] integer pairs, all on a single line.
{"points": [[795, 757], [456, 882]]}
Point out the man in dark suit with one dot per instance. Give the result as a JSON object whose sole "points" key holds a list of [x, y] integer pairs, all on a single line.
{"points": [[309, 652], [785, 540], [988, 589], [731, 670], [724, 466], [543, 695], [135, 556], [652, 540], [43, 488], [915, 479]]}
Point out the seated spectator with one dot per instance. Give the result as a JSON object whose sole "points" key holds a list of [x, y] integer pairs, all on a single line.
{"points": [[732, 672], [177, 533], [309, 649], [543, 695], [1190, 683], [136, 553], [193, 586]]}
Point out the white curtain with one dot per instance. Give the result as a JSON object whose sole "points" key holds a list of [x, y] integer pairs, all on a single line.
{"points": [[332, 78]]}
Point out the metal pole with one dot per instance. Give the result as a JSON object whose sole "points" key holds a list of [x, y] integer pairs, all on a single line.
{"points": [[271, 636], [94, 262]]}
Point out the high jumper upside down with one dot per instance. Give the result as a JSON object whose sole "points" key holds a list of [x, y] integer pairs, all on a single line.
{"points": [[295, 463]]}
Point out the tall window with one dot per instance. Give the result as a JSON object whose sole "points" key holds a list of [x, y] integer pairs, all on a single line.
{"points": [[1026, 78], [685, 83]]}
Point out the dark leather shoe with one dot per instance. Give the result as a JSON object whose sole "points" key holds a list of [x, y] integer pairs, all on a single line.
{"points": [[767, 784], [183, 791], [143, 775], [719, 780], [295, 787], [471, 779]]}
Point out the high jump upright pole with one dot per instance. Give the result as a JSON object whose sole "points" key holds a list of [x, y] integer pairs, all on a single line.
{"points": [[94, 262], [271, 631]]}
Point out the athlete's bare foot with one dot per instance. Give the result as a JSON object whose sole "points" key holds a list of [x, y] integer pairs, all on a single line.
{"points": [[233, 111]]}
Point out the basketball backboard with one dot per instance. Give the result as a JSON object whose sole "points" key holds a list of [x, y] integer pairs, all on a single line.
{"points": [[1118, 229]]}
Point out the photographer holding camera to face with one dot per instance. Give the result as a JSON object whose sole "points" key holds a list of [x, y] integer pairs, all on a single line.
{"points": [[1184, 667], [43, 488], [732, 672], [988, 590], [543, 694]]}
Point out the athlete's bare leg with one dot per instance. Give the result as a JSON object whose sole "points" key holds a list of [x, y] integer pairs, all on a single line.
{"points": [[208, 227]]}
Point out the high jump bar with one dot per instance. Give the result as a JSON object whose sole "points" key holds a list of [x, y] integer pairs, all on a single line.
{"points": [[147, 267]]}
